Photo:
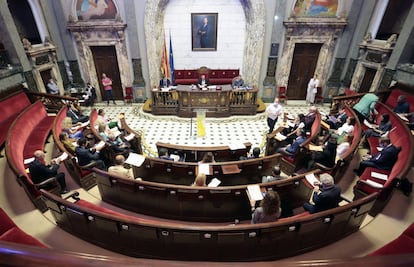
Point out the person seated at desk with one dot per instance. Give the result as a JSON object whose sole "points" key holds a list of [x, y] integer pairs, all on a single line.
{"points": [[343, 147], [276, 175], [310, 118], [383, 160], [163, 154], [326, 195], [73, 132], [120, 170], [107, 120], [269, 210], [327, 156], [86, 156], [237, 82], [40, 172], [208, 158], [337, 121], [76, 115], [255, 154], [293, 148], [202, 82], [165, 82], [200, 180], [403, 107], [378, 130], [67, 142]]}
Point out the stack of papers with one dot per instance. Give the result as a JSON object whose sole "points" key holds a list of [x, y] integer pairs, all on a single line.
{"points": [[29, 160], [315, 148], [135, 159], [402, 117], [62, 157]]}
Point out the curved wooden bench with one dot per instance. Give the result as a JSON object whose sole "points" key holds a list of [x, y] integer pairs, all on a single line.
{"points": [[179, 241], [191, 203], [27, 134], [290, 165], [196, 153], [400, 136], [170, 172], [342, 164]]}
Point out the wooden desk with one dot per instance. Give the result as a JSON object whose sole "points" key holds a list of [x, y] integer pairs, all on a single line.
{"points": [[183, 101]]}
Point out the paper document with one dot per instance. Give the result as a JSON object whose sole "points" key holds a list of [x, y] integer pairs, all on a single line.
{"points": [[315, 148], [129, 137], [204, 168], [325, 125], [404, 118], [135, 159], [374, 184], [175, 157], [29, 160], [369, 125], [214, 182], [62, 157], [379, 176], [280, 137], [116, 132], [311, 178], [235, 146], [291, 124], [290, 117], [254, 192], [99, 145]]}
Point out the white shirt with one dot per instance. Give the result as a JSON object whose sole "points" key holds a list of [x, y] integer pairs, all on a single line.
{"points": [[313, 83], [341, 150], [345, 128], [273, 110]]}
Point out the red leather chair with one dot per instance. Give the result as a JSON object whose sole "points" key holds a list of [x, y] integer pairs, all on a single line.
{"points": [[282, 94], [129, 95], [319, 96]]}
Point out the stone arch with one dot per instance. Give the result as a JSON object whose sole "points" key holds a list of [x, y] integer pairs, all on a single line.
{"points": [[253, 51]]}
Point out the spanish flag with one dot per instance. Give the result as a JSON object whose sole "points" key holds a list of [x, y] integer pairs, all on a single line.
{"points": [[165, 66]]}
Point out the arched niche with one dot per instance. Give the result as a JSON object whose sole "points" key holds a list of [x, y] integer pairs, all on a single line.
{"points": [[253, 51]]}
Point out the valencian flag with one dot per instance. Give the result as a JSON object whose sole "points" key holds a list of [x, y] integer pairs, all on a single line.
{"points": [[165, 67], [171, 61]]}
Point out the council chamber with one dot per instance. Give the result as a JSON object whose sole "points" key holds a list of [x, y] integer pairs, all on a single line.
{"points": [[180, 132]]}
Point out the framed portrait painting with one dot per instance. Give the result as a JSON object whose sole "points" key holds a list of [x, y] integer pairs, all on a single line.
{"points": [[204, 31]]}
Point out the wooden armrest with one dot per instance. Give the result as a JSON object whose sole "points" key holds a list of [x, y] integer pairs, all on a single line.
{"points": [[46, 182], [88, 166], [323, 167]]}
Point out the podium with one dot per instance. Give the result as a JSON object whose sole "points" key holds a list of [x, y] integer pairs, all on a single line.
{"points": [[201, 118]]}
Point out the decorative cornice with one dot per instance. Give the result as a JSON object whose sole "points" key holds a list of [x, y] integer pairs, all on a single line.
{"points": [[106, 25]]}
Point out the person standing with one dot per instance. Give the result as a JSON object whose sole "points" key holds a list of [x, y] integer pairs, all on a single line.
{"points": [[203, 32], [365, 108], [52, 87], [165, 82], [107, 84], [312, 90], [272, 113], [91, 93]]}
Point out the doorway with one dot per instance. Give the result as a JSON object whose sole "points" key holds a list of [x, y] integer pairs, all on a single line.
{"points": [[106, 62], [367, 80], [305, 58]]}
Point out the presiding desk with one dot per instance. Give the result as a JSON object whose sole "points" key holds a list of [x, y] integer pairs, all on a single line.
{"points": [[217, 101]]}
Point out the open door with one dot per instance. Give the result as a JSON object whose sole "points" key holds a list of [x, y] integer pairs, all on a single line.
{"points": [[303, 67], [106, 61]]}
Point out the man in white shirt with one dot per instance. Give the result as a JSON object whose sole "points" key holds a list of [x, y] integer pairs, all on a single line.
{"points": [[272, 113]]}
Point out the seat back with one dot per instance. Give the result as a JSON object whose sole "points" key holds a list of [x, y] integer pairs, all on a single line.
{"points": [[282, 94], [319, 95]]}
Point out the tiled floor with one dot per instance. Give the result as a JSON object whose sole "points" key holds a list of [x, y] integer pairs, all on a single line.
{"points": [[183, 131]]}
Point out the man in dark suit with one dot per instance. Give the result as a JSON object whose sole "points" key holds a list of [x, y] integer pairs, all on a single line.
{"points": [[165, 82], [202, 82], [75, 115], [40, 172], [86, 155], [326, 195], [383, 160]]}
